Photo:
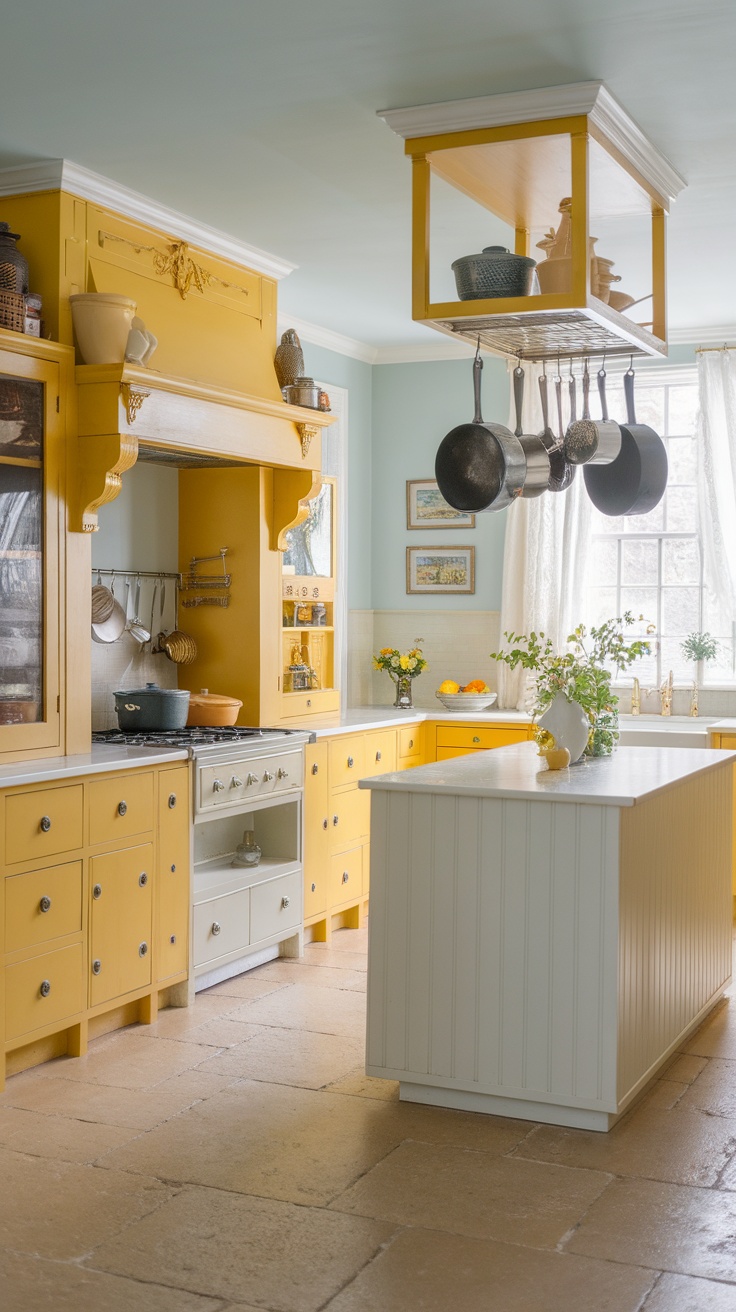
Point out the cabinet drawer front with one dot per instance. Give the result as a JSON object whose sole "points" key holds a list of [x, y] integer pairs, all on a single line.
{"points": [[120, 922], [317, 702], [120, 807], [173, 872], [346, 876], [350, 818], [410, 741], [42, 905], [59, 974], [380, 752], [221, 926], [275, 907], [728, 742], [476, 739], [43, 823], [228, 785], [347, 762]]}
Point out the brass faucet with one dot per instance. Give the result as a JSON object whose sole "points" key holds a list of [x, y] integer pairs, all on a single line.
{"points": [[666, 695], [636, 698], [694, 698]]}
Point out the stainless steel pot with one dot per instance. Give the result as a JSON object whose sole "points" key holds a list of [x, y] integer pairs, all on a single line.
{"points": [[590, 441], [561, 472], [480, 466], [303, 391], [152, 707], [537, 457]]}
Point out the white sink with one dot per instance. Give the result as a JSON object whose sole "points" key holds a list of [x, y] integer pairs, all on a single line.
{"points": [[665, 730]]}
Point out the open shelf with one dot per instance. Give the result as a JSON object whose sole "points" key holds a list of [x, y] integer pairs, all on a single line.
{"points": [[217, 877], [534, 332]]}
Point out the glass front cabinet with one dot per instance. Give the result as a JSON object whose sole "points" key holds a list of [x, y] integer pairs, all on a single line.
{"points": [[31, 528], [308, 571]]}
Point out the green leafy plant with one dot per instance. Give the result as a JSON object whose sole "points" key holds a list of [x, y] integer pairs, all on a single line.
{"points": [[582, 673], [699, 647]]}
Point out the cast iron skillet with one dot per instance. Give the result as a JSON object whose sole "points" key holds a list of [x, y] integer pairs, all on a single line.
{"points": [[634, 483], [480, 466]]}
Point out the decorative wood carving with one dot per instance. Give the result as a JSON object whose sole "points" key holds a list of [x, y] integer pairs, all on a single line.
{"points": [[101, 462], [176, 261], [306, 433], [293, 489], [133, 398]]}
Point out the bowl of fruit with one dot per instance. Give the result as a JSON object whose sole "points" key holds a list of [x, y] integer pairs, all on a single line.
{"points": [[475, 696]]}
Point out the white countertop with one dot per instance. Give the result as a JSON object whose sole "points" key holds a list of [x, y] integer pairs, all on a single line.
{"points": [[356, 718], [98, 760], [722, 726], [629, 776]]}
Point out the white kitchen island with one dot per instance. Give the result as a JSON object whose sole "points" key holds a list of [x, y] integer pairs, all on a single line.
{"points": [[541, 943]]}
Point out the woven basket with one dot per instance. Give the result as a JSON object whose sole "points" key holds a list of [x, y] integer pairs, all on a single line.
{"points": [[495, 272], [12, 311]]}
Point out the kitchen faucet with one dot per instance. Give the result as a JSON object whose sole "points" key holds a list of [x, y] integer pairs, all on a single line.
{"points": [[665, 696], [636, 698]]}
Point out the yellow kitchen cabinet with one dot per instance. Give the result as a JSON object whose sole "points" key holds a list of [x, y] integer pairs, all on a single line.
{"points": [[43, 991], [42, 905], [727, 742], [173, 870], [120, 808], [347, 759], [461, 739], [380, 752], [411, 746], [316, 831], [43, 823], [120, 922]]}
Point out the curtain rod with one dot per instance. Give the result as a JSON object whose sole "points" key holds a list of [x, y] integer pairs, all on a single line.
{"points": [[138, 573], [705, 350]]}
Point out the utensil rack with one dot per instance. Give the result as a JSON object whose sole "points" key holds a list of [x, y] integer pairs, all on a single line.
{"points": [[192, 580], [205, 601], [138, 574]]}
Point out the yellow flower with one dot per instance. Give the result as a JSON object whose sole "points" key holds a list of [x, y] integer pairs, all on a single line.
{"points": [[404, 662], [386, 651], [377, 664]]}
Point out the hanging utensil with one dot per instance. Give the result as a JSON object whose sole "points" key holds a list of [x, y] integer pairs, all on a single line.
{"points": [[480, 466], [135, 627], [537, 459], [561, 472], [114, 626], [178, 646], [635, 482], [103, 602], [590, 441]]}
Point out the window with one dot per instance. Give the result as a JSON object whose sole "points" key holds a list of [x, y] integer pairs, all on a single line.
{"points": [[651, 564]]}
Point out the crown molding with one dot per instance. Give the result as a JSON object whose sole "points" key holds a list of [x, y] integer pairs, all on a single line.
{"points": [[328, 338], [64, 175], [591, 98]]}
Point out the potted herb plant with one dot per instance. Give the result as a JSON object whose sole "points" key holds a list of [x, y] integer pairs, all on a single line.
{"points": [[581, 675]]}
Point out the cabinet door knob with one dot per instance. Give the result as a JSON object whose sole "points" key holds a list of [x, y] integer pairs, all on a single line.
{"points": [[476, 740], [285, 901], [235, 782], [378, 756], [309, 701], [122, 808], [335, 819], [172, 801], [216, 927], [45, 988], [172, 940], [411, 742], [45, 904], [97, 891], [217, 786], [45, 823], [267, 777], [143, 879], [142, 949], [315, 768], [96, 967], [283, 774], [325, 824], [314, 888], [345, 876], [351, 763], [173, 869]]}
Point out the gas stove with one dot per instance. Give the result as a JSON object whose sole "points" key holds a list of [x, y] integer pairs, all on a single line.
{"points": [[197, 741]]}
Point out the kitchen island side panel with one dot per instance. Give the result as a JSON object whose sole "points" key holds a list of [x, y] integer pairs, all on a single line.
{"points": [[493, 946], [675, 918]]}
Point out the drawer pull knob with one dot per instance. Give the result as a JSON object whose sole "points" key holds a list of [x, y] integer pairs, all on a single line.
{"points": [[122, 808], [378, 756], [172, 801], [235, 782], [283, 774], [173, 869], [411, 742], [314, 888], [315, 768], [285, 901], [97, 891], [335, 819], [143, 949], [45, 904], [218, 786], [345, 876], [45, 988], [325, 824], [216, 927], [267, 777], [476, 740], [351, 763], [142, 879], [172, 940], [309, 701], [45, 823], [252, 778], [96, 967]]}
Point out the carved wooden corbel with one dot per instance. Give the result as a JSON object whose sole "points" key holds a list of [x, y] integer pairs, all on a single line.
{"points": [[101, 462], [306, 433], [133, 398]]}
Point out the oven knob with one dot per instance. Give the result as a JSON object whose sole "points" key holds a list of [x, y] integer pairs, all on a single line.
{"points": [[267, 777], [283, 774], [252, 779], [216, 927], [235, 782], [218, 786]]}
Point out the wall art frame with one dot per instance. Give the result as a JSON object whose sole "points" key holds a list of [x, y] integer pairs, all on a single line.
{"points": [[426, 507], [440, 570]]}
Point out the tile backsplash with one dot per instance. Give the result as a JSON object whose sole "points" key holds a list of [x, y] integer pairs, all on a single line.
{"points": [[125, 664]]}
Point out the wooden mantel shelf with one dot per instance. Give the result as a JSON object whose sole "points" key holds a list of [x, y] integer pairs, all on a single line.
{"points": [[127, 413]]}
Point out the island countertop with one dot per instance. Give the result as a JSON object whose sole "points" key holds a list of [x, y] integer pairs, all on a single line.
{"points": [[517, 772]]}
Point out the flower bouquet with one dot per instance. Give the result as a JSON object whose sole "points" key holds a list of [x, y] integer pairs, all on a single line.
{"points": [[402, 667]]}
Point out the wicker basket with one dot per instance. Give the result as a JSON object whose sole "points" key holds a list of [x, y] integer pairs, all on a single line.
{"points": [[493, 273], [13, 311]]}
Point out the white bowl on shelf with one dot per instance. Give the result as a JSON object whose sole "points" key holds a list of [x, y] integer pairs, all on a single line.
{"points": [[466, 701]]}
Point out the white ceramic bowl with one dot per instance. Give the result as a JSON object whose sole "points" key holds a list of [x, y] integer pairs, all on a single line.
{"points": [[466, 701]]}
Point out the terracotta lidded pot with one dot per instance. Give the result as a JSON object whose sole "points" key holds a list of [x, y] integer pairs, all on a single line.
{"points": [[102, 324], [212, 710]]}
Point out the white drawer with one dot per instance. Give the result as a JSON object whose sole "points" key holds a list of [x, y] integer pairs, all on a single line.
{"points": [[276, 906], [242, 781], [221, 926]]}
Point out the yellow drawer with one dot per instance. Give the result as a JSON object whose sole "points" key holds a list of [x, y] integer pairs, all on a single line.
{"points": [[380, 752], [317, 702], [347, 760], [411, 743], [44, 990], [476, 739], [120, 807], [42, 905], [275, 907], [350, 818], [43, 823], [727, 742], [346, 876], [221, 926]]}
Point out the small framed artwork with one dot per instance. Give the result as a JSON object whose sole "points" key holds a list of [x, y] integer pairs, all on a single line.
{"points": [[426, 507], [440, 569]]}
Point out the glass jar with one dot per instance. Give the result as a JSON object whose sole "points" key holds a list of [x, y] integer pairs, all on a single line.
{"points": [[247, 853]]}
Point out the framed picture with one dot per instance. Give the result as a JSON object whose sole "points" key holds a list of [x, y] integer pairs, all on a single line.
{"points": [[426, 507], [440, 569]]}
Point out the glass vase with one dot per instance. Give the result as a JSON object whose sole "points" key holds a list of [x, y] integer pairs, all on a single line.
{"points": [[604, 734], [403, 699]]}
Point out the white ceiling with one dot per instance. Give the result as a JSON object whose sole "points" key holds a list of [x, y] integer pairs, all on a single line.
{"points": [[260, 119]]}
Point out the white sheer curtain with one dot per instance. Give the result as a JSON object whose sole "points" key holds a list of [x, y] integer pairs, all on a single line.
{"points": [[545, 552], [717, 474]]}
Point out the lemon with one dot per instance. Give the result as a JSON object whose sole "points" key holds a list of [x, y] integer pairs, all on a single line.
{"points": [[449, 686]]}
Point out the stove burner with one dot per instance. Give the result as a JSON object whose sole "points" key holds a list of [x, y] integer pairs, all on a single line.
{"points": [[181, 737]]}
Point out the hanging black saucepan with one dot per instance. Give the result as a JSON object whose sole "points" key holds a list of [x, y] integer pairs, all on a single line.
{"points": [[480, 466], [537, 457], [635, 482], [561, 472]]}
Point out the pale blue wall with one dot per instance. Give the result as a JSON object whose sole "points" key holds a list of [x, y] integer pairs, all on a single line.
{"points": [[414, 406]]}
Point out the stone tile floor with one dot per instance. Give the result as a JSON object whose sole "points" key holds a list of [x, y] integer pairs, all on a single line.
{"points": [[235, 1156]]}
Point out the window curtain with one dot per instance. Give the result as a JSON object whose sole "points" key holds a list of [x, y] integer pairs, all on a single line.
{"points": [[545, 552], [716, 475]]}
